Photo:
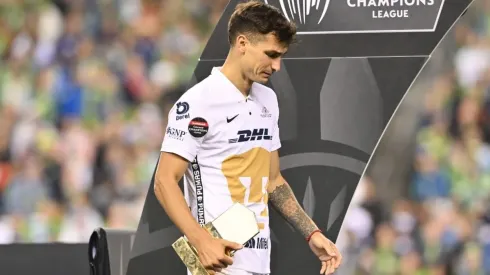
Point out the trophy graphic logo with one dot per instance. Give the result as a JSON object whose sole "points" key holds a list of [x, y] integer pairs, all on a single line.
{"points": [[301, 9]]}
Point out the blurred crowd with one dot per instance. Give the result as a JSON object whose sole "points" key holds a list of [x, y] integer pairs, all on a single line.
{"points": [[442, 224], [85, 86]]}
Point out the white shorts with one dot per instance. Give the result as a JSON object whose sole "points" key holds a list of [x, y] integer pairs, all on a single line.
{"points": [[231, 271]]}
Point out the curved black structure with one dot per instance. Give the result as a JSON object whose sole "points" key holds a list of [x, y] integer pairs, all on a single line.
{"points": [[109, 251]]}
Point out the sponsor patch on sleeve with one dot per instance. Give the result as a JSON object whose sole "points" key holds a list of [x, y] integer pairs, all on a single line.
{"points": [[182, 111], [198, 127], [175, 133]]}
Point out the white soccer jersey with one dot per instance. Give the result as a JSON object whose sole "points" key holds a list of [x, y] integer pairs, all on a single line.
{"points": [[227, 138]]}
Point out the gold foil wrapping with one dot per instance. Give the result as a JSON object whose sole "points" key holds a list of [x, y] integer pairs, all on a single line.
{"points": [[188, 253], [237, 224]]}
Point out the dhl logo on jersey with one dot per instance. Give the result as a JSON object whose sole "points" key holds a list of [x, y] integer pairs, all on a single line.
{"points": [[251, 135]]}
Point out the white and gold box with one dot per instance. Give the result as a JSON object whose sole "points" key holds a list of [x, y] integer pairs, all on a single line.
{"points": [[237, 224]]}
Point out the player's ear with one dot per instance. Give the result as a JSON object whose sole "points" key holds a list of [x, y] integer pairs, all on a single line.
{"points": [[241, 43]]}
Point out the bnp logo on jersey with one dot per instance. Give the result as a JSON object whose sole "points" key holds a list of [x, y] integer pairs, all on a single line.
{"points": [[251, 135], [175, 133]]}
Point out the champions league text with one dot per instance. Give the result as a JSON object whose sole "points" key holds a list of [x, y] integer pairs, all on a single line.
{"points": [[396, 8]]}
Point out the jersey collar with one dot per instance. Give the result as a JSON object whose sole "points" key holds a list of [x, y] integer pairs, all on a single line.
{"points": [[230, 89]]}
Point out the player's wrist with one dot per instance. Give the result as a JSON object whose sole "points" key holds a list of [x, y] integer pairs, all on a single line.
{"points": [[308, 238], [198, 237]]}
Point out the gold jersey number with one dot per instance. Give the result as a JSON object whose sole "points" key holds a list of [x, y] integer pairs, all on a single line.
{"points": [[247, 176]]}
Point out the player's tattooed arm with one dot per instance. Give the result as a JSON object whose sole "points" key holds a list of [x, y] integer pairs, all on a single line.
{"points": [[282, 198]]}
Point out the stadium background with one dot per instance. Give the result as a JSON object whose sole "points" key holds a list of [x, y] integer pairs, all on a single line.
{"points": [[85, 87]]}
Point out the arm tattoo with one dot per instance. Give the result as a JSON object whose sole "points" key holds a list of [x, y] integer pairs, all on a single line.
{"points": [[283, 200]]}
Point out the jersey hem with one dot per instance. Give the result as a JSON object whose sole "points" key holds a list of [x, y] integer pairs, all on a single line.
{"points": [[245, 268], [277, 147]]}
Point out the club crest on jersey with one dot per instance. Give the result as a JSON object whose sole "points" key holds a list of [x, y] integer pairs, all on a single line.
{"points": [[182, 110], [265, 113], [251, 135]]}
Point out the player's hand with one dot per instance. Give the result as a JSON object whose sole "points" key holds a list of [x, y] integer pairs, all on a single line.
{"points": [[327, 252], [213, 252]]}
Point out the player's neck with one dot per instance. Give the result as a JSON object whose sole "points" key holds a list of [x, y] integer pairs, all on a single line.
{"points": [[232, 71]]}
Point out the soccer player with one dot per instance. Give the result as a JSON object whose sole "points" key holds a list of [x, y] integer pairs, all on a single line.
{"points": [[223, 138]]}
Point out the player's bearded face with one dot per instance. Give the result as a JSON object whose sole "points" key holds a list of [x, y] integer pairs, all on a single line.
{"points": [[263, 58]]}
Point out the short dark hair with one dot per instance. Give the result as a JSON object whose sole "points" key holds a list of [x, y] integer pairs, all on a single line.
{"points": [[254, 18]]}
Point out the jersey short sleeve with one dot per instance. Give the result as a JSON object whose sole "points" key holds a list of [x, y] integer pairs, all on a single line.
{"points": [[186, 129], [276, 140]]}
